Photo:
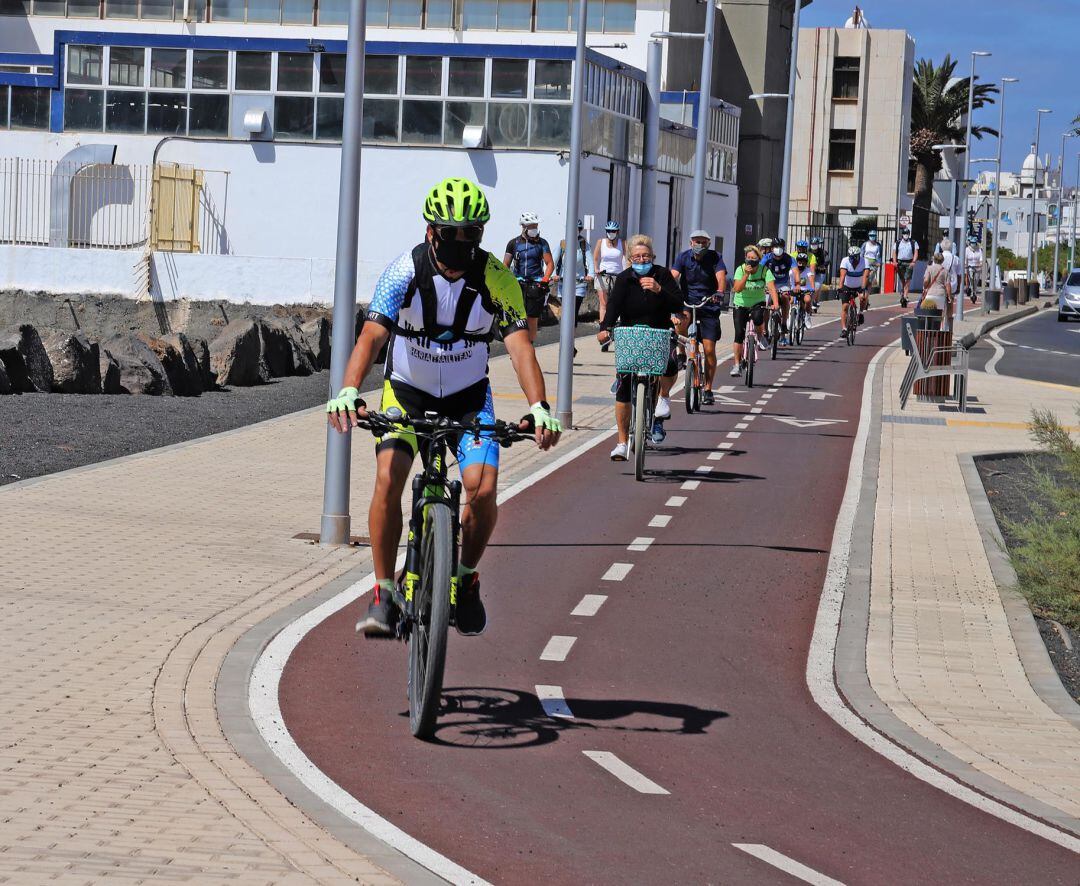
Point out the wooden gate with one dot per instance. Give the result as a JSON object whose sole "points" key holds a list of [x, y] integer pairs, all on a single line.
{"points": [[174, 208]]}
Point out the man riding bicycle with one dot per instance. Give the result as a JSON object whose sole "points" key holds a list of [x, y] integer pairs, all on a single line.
{"points": [[438, 305], [780, 262], [702, 275], [852, 285], [529, 256]]}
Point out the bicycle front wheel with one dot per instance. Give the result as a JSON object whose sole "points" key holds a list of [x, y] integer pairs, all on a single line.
{"points": [[641, 395], [427, 641], [690, 385]]}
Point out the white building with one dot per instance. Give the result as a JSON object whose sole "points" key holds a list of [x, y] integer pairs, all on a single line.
{"points": [[192, 149], [1014, 230]]}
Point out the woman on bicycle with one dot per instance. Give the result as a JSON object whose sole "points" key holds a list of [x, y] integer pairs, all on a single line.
{"points": [[645, 294], [609, 259], [752, 283]]}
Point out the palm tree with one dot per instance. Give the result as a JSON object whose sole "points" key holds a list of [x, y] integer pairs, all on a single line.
{"points": [[937, 111]]}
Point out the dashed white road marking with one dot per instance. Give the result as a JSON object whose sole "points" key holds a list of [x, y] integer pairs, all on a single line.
{"points": [[725, 445], [690, 485], [733, 435], [618, 571], [660, 521], [765, 398], [557, 648], [590, 604], [774, 389], [641, 543], [715, 456], [624, 773], [703, 469], [676, 501], [757, 410], [553, 702], [787, 865], [741, 426]]}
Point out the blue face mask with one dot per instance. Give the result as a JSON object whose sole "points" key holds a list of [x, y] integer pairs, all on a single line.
{"points": [[642, 268]]}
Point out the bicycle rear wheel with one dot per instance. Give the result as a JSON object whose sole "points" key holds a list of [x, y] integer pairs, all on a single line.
{"points": [[852, 323], [641, 392], [427, 641], [750, 353]]}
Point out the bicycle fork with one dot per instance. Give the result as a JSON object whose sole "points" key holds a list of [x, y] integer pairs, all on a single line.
{"points": [[423, 493]]}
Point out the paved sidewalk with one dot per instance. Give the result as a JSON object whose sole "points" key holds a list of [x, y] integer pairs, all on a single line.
{"points": [[940, 652], [123, 587]]}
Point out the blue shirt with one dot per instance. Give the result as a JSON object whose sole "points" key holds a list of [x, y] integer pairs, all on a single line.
{"points": [[781, 266], [697, 276], [527, 256]]}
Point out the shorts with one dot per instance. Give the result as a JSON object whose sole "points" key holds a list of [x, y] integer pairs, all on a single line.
{"points": [[708, 325], [904, 270], [741, 316], [474, 401], [846, 294], [604, 282], [535, 293]]}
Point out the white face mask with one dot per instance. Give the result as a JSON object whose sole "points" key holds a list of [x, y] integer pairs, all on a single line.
{"points": [[532, 232], [777, 251]]}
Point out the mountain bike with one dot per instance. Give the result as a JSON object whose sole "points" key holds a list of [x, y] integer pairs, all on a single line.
{"points": [[750, 350], [796, 318], [643, 353], [852, 320], [430, 582]]}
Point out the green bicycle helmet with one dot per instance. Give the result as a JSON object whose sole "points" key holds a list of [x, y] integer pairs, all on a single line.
{"points": [[456, 201]]}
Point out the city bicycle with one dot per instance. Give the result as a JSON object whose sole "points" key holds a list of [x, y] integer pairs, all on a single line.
{"points": [[694, 371], [430, 583], [750, 349], [852, 320], [797, 318], [775, 328], [643, 353]]}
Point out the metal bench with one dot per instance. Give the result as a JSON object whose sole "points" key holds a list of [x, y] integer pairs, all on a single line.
{"points": [[924, 366]]}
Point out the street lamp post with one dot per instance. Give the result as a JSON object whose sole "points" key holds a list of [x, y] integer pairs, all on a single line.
{"points": [[1032, 255], [1076, 192], [967, 174], [997, 189], [704, 115], [1061, 199], [335, 524]]}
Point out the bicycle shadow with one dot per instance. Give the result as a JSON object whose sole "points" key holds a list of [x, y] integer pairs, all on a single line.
{"points": [[678, 475], [494, 718]]}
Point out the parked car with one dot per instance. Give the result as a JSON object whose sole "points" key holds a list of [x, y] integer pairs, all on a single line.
{"points": [[1069, 297]]}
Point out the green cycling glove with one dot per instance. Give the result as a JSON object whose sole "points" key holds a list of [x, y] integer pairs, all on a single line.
{"points": [[345, 401], [544, 419]]}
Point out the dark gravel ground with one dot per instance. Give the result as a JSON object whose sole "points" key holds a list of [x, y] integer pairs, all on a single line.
{"points": [[1009, 481], [44, 433]]}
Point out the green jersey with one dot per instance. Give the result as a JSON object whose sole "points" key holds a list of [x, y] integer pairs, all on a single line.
{"points": [[754, 291]]}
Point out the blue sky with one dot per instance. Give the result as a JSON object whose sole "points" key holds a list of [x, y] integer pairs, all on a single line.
{"points": [[1035, 40]]}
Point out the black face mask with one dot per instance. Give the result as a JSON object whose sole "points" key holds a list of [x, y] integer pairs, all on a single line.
{"points": [[455, 254], [753, 262]]}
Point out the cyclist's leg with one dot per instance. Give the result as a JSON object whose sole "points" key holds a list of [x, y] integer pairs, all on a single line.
{"points": [[709, 327], [478, 461], [739, 316], [624, 389], [394, 457], [534, 306], [682, 324]]}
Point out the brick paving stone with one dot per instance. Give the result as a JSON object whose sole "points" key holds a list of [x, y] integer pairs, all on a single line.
{"points": [[122, 587]]}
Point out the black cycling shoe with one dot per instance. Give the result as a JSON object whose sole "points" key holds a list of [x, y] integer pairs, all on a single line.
{"points": [[383, 614], [469, 614], [707, 398]]}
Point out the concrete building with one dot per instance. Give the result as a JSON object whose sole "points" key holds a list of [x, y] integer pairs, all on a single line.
{"points": [[153, 147], [1016, 224], [850, 150]]}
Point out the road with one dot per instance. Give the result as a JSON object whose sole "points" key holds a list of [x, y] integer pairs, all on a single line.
{"points": [[1038, 348], [691, 672]]}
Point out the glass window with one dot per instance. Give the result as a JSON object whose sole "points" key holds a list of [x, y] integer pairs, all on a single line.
{"points": [[14, 7], [160, 9], [294, 70], [405, 13], [168, 68], [30, 107], [125, 111], [377, 12], [552, 15], [49, 7], [209, 115], [509, 78], [550, 126], [126, 65], [200, 10], [381, 74], [166, 113], [83, 109], [381, 120], [421, 122], [508, 124], [84, 65], [845, 77], [515, 15], [89, 9], [227, 10], [480, 15], [332, 72], [253, 71], [595, 14], [294, 116], [619, 16], [329, 116], [209, 69], [842, 150], [458, 116], [265, 11], [423, 75], [302, 12], [552, 79], [439, 14], [466, 77], [120, 9]]}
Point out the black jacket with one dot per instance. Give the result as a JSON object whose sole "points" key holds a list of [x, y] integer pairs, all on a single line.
{"points": [[630, 305]]}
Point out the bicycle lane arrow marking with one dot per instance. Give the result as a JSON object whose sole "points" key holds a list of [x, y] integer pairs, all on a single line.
{"points": [[817, 395], [809, 422]]}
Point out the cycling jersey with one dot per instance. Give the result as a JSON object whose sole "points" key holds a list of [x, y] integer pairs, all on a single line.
{"points": [[780, 265], [441, 328], [819, 256], [801, 277], [527, 256], [856, 270]]}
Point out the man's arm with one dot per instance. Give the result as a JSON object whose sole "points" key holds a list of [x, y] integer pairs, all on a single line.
{"points": [[721, 279], [549, 265], [508, 255]]}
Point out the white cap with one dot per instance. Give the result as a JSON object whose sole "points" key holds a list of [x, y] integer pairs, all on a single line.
{"points": [[700, 233]]}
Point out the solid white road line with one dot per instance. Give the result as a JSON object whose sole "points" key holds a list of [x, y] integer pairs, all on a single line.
{"points": [[690, 485], [999, 352], [641, 543], [557, 648], [676, 501], [590, 604], [553, 702], [617, 572], [659, 521], [626, 774], [787, 865]]}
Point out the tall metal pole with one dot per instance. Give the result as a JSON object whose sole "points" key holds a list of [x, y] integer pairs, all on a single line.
{"points": [[565, 399], [334, 528], [789, 125], [651, 142], [997, 190], [1076, 192], [1061, 200], [958, 306], [1032, 258], [704, 116], [961, 250]]}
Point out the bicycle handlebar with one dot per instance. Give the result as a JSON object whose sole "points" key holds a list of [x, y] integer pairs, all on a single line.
{"points": [[505, 433]]}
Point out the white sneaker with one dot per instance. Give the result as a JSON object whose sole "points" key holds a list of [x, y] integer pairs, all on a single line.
{"points": [[806, 319], [762, 345], [619, 452], [736, 371], [663, 408]]}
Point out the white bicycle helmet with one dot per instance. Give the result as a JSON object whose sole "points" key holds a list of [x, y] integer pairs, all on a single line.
{"points": [[529, 218], [854, 251]]}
